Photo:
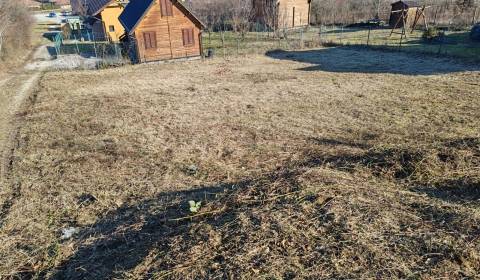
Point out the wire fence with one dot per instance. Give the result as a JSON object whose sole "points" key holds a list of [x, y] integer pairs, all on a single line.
{"points": [[455, 43], [105, 53]]}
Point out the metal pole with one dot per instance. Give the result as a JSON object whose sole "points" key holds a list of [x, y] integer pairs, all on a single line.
{"points": [[368, 38], [76, 44], [118, 52], [320, 33], [209, 39], [301, 39], [341, 35], [94, 45]]}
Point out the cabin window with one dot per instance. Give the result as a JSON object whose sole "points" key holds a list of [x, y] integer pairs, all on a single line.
{"points": [[166, 8], [188, 37], [150, 39], [111, 28]]}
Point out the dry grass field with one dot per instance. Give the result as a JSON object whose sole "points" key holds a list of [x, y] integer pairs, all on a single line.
{"points": [[323, 164]]}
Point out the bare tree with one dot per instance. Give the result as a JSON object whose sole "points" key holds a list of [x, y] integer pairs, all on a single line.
{"points": [[213, 13], [79, 7], [235, 14], [241, 13]]}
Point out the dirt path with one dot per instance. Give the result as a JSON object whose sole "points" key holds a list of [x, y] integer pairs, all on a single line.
{"points": [[14, 90]]}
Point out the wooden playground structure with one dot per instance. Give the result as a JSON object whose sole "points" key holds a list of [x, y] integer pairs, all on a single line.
{"points": [[402, 18]]}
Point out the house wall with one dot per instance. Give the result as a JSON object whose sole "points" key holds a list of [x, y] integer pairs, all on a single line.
{"points": [[289, 13], [169, 36], [110, 18], [293, 13]]}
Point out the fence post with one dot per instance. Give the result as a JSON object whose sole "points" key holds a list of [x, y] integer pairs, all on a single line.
{"points": [[209, 38], [118, 50], [368, 37], [94, 45], [440, 46], [76, 44], [301, 39], [341, 36], [223, 43], [320, 34], [338, 35], [238, 45]]}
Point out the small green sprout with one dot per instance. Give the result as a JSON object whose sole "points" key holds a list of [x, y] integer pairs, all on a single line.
{"points": [[194, 206]]}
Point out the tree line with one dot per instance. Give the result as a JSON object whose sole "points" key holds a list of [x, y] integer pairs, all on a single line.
{"points": [[441, 12], [16, 22], [236, 14]]}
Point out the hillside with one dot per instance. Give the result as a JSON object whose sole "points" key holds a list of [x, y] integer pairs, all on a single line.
{"points": [[330, 163]]}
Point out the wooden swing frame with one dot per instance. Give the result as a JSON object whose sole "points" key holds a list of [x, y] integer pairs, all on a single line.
{"points": [[420, 12]]}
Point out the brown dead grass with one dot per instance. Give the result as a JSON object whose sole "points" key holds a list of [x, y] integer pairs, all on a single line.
{"points": [[302, 174]]}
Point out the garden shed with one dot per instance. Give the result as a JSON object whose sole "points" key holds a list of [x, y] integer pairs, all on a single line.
{"points": [[277, 14]]}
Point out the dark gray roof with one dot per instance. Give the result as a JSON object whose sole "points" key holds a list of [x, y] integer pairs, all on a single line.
{"points": [[96, 6], [136, 9], [132, 14], [89, 7]]}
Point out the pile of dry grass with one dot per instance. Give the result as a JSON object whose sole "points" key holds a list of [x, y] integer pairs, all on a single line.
{"points": [[303, 171], [304, 220]]}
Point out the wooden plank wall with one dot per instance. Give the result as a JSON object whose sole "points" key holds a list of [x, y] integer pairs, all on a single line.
{"points": [[285, 13], [286, 16], [168, 35]]}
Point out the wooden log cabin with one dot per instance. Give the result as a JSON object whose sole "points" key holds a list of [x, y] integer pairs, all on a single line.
{"points": [[161, 30], [102, 17], [280, 14]]}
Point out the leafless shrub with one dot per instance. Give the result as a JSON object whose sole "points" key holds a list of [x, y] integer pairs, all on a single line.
{"points": [[15, 28], [241, 11]]}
